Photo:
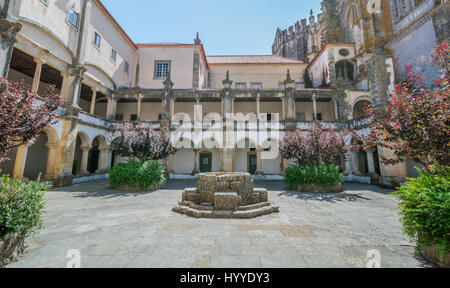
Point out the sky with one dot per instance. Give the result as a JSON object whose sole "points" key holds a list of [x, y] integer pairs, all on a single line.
{"points": [[226, 27]]}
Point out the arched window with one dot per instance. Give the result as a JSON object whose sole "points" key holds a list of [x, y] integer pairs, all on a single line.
{"points": [[345, 71]]}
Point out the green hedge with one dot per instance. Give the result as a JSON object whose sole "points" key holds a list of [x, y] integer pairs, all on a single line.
{"points": [[425, 209], [140, 174], [21, 206], [325, 174]]}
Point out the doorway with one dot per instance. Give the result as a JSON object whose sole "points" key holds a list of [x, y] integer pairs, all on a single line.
{"points": [[205, 162]]}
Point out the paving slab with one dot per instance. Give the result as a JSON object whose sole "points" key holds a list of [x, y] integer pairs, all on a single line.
{"points": [[138, 229]]}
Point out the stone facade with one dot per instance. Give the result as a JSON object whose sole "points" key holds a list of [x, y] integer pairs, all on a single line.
{"points": [[322, 69]]}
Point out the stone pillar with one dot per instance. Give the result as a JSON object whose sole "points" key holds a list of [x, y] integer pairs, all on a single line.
{"points": [[392, 176], [336, 110], [37, 75], [291, 121], [355, 163], [111, 108], [139, 106], [104, 160], [370, 161], [93, 100], [73, 86], [20, 161], [283, 109], [9, 27], [196, 164], [348, 165], [66, 150], [50, 169], [84, 160], [259, 169], [170, 167], [227, 151], [258, 105], [315, 106]]}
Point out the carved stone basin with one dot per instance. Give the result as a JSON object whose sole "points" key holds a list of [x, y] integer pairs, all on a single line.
{"points": [[225, 195]]}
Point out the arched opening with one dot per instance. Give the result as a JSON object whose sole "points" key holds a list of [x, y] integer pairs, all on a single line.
{"points": [[345, 71], [81, 151], [245, 156], [359, 109], [94, 155], [36, 162]]}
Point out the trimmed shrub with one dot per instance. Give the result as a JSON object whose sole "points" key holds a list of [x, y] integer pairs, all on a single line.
{"points": [[21, 206], [139, 174], [425, 209], [324, 174]]}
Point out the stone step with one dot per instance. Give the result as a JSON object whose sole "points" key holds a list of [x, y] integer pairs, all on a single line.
{"points": [[202, 207], [255, 206]]}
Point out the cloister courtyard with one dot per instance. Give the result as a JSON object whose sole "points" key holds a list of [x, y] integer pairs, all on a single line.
{"points": [[131, 229]]}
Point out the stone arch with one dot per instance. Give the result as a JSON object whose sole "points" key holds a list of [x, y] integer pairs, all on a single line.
{"points": [[359, 107], [82, 148], [183, 161], [100, 74], [345, 70], [70, 55], [271, 160], [36, 159], [96, 159]]}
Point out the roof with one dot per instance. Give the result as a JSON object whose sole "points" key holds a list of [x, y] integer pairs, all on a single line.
{"points": [[250, 59]]}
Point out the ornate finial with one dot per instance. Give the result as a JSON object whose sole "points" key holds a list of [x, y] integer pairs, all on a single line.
{"points": [[168, 84], [289, 83], [311, 13], [197, 40], [227, 82]]}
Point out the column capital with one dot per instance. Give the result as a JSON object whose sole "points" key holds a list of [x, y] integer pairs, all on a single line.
{"points": [[38, 60], [86, 148]]}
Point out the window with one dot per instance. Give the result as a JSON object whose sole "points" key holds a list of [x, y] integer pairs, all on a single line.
{"points": [[73, 18], [299, 85], [282, 86], [160, 117], [256, 85], [162, 69], [319, 117], [113, 55], [127, 67], [301, 117], [269, 118], [97, 40], [119, 117], [133, 117], [241, 85]]}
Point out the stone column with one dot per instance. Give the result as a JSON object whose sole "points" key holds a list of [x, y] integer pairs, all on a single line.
{"points": [[259, 170], [93, 100], [84, 160], [283, 109], [258, 105], [9, 27], [37, 74], [315, 106], [348, 165], [370, 162], [227, 151], [20, 161], [104, 160], [196, 164], [336, 110], [111, 108], [139, 106], [355, 163], [50, 169], [291, 121], [170, 167]]}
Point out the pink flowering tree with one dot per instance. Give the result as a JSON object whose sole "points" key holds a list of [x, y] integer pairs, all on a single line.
{"points": [[24, 114], [415, 124], [141, 141], [314, 147]]}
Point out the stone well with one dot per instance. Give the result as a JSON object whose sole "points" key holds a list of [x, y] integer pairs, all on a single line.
{"points": [[225, 195]]}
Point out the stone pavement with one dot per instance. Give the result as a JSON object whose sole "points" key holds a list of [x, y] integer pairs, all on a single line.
{"points": [[127, 229]]}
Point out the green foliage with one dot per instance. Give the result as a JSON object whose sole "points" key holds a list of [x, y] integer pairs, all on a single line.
{"points": [[21, 206], [425, 208], [140, 174], [324, 174]]}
